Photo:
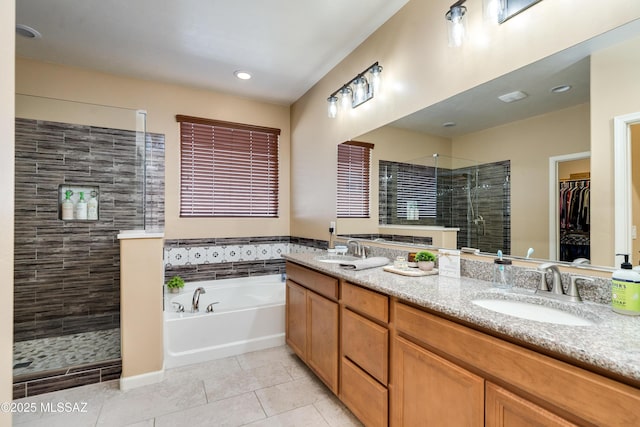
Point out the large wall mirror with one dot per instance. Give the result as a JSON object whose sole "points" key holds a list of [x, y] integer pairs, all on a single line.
{"points": [[512, 175]]}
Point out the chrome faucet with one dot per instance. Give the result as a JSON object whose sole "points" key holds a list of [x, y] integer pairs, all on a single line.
{"points": [[556, 283], [359, 251], [557, 290], [195, 302]]}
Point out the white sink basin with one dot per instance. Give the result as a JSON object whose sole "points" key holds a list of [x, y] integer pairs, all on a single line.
{"points": [[540, 313], [337, 259]]}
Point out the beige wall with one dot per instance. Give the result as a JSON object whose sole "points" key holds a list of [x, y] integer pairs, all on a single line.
{"points": [[529, 144], [566, 169], [163, 102], [141, 306], [615, 91], [7, 54], [420, 70]]}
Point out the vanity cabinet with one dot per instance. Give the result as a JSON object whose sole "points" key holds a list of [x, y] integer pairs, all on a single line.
{"points": [[364, 362], [430, 390], [394, 363], [506, 409], [312, 321], [441, 369]]}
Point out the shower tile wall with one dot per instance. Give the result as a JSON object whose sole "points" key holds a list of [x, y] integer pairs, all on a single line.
{"points": [[491, 197], [67, 273]]}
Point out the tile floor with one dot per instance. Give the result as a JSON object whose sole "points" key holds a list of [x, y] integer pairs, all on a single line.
{"points": [[265, 388], [44, 354]]}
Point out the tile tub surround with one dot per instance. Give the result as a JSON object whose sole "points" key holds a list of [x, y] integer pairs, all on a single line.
{"points": [[67, 272], [223, 258], [611, 346]]}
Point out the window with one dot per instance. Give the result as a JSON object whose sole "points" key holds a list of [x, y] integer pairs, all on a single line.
{"points": [[416, 192], [227, 169], [354, 160]]}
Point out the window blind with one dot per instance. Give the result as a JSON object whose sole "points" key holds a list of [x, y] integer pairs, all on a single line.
{"points": [[354, 160], [416, 192], [227, 169]]}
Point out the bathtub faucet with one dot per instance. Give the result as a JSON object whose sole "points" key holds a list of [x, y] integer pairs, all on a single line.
{"points": [[196, 299]]}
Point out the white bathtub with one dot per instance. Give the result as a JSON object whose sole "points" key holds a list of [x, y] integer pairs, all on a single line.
{"points": [[249, 316]]}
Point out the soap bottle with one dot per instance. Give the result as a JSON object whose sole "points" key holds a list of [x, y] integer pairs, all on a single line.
{"points": [[625, 289], [67, 206], [92, 207], [81, 207]]}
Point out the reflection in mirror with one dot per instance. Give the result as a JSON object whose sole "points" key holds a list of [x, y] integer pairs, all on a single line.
{"points": [[448, 192], [549, 123]]}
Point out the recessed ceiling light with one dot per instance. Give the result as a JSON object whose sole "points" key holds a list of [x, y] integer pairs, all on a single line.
{"points": [[242, 75], [448, 124], [560, 89], [512, 96], [27, 32]]}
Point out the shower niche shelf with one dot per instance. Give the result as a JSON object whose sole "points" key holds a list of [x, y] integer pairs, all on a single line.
{"points": [[75, 211]]}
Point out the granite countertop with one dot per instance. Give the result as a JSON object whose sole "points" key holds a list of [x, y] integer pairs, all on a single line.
{"points": [[611, 344]]}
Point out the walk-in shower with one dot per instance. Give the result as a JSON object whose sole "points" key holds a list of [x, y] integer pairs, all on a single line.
{"points": [[101, 161], [450, 192]]}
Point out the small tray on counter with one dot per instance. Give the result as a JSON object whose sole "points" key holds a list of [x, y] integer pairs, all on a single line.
{"points": [[414, 272]]}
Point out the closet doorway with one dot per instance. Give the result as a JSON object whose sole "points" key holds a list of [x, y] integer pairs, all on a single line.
{"points": [[569, 207]]}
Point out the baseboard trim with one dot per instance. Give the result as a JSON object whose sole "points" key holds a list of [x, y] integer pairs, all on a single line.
{"points": [[135, 381]]}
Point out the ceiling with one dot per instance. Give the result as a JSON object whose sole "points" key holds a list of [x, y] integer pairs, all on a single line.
{"points": [[287, 45], [479, 108]]}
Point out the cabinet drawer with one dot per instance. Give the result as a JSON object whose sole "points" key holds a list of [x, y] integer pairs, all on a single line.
{"points": [[366, 343], [324, 285], [364, 396], [367, 302]]}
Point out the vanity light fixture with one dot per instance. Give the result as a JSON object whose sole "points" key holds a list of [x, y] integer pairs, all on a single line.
{"points": [[494, 10], [356, 91], [456, 23]]}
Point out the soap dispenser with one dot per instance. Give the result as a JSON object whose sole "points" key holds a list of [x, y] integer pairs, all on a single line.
{"points": [[625, 289], [67, 206], [92, 207], [81, 207]]}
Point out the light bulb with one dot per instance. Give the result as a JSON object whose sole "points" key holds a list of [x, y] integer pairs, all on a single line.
{"points": [[345, 98], [492, 10], [455, 16], [360, 93], [332, 110], [375, 78]]}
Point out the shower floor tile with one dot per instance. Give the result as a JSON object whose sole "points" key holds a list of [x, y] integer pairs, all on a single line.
{"points": [[47, 354]]}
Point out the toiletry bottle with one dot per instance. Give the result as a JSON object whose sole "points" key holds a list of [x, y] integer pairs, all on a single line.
{"points": [[81, 207], [92, 207], [67, 206], [625, 289]]}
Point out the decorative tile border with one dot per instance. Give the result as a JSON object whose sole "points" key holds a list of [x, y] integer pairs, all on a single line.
{"points": [[223, 258]]}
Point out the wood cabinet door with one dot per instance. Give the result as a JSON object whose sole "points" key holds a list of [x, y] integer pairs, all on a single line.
{"points": [[427, 390], [296, 319], [322, 344], [505, 409]]}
